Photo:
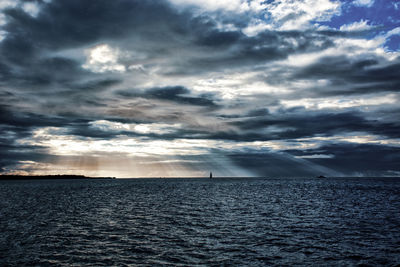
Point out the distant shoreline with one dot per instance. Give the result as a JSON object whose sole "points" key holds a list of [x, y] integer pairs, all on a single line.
{"points": [[82, 177], [49, 177]]}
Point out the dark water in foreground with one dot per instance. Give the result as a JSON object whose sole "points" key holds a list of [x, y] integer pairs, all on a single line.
{"points": [[200, 222]]}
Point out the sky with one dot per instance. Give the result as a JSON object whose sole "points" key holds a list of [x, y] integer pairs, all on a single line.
{"points": [[179, 88]]}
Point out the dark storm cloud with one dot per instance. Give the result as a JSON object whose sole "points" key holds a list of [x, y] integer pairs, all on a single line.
{"points": [[142, 25], [23, 61], [255, 128], [71, 24], [10, 155], [357, 158], [26, 59], [13, 154], [74, 23], [272, 164], [301, 123], [16, 127], [85, 130], [216, 38], [250, 128], [258, 112], [21, 124], [177, 94], [247, 51], [350, 77], [45, 73], [27, 120], [25, 53], [95, 85]]}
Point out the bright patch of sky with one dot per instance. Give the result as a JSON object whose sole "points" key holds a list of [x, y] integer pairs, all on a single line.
{"points": [[140, 128], [31, 8], [341, 103], [103, 58]]}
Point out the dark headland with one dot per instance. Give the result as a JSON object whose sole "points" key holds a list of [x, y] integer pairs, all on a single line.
{"points": [[48, 177]]}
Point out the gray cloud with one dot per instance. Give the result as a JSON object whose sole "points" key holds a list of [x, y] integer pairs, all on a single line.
{"points": [[356, 159], [353, 77], [177, 94], [280, 165]]}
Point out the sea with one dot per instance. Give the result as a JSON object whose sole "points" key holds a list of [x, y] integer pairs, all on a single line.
{"points": [[201, 222]]}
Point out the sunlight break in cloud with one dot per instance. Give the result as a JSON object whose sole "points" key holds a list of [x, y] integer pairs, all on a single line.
{"points": [[103, 58], [141, 128], [31, 8], [342, 103]]}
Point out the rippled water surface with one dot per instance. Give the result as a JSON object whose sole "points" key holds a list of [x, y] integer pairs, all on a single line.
{"points": [[346, 221]]}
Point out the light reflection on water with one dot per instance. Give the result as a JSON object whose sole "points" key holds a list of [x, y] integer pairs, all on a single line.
{"points": [[200, 221]]}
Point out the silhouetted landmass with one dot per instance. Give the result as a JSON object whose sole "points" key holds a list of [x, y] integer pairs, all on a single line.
{"points": [[48, 177]]}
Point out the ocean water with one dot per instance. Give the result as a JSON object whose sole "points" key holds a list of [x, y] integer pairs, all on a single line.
{"points": [[200, 222]]}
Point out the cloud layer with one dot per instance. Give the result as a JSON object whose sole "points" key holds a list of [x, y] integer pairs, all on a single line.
{"points": [[179, 88]]}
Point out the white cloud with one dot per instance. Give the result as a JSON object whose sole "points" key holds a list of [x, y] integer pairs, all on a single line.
{"points": [[386, 37], [142, 128], [317, 156], [395, 31], [351, 137], [8, 4], [2, 35], [103, 58], [356, 26], [3, 5], [366, 3], [352, 48], [31, 8], [237, 6], [340, 103], [234, 85], [61, 144], [281, 15], [255, 27], [137, 67], [2, 19], [137, 153], [293, 15]]}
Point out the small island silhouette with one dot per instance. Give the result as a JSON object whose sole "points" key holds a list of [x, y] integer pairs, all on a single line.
{"points": [[48, 177]]}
